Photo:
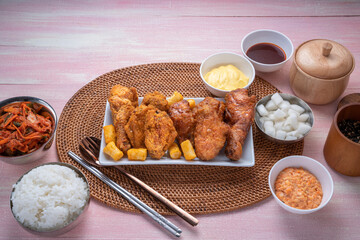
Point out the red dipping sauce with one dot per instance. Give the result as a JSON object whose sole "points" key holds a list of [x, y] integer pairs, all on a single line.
{"points": [[267, 53]]}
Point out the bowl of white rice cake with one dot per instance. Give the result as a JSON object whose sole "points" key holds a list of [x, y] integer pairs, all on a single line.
{"points": [[50, 199], [283, 118]]}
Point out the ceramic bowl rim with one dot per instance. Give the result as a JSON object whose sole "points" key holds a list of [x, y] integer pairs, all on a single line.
{"points": [[251, 80], [265, 64], [321, 166]]}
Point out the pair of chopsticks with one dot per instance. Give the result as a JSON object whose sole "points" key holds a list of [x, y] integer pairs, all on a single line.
{"points": [[172, 228]]}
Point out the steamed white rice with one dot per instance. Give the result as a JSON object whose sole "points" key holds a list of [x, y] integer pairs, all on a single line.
{"points": [[49, 197]]}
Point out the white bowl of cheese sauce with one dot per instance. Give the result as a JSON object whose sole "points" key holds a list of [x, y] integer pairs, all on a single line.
{"points": [[224, 72]]}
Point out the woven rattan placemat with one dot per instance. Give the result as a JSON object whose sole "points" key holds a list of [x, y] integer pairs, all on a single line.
{"points": [[197, 189]]}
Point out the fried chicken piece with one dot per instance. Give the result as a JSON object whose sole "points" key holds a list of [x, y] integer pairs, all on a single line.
{"points": [[123, 101], [182, 116], [116, 102], [239, 115], [210, 130], [160, 133], [135, 127], [120, 118], [125, 93], [156, 99]]}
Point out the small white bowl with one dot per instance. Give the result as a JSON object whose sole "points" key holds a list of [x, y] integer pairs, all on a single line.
{"points": [[314, 167], [221, 59], [267, 36]]}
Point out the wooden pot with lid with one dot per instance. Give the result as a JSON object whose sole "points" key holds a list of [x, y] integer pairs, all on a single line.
{"points": [[341, 153], [321, 70]]}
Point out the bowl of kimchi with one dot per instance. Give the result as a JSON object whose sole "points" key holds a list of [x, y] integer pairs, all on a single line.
{"points": [[27, 129]]}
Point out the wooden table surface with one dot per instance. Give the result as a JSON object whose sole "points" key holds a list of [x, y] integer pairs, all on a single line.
{"points": [[50, 49]]}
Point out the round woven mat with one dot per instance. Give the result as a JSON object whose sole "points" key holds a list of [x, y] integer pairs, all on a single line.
{"points": [[196, 189]]}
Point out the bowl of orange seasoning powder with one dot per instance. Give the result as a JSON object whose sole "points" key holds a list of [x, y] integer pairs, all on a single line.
{"points": [[300, 184]]}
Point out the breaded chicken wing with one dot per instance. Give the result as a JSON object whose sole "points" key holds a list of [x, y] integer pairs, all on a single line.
{"points": [[210, 130], [120, 118], [156, 99], [135, 127], [160, 133], [182, 116], [123, 101], [239, 115]]}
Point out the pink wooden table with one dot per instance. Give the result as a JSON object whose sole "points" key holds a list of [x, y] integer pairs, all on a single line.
{"points": [[50, 49]]}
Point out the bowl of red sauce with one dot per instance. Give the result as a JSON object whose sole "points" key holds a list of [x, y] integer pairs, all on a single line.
{"points": [[27, 129], [268, 50]]}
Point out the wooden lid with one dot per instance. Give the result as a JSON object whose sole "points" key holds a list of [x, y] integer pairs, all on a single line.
{"points": [[324, 59], [351, 98]]}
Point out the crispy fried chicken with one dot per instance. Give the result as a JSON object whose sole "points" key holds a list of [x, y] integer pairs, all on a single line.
{"points": [[160, 133], [210, 130], [182, 116], [239, 115], [120, 118], [123, 101], [135, 127], [156, 99], [119, 91]]}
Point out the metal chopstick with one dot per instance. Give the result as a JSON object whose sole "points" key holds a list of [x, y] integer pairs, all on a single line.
{"points": [[128, 196]]}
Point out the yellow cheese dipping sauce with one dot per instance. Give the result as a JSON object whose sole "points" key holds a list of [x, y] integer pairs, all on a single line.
{"points": [[226, 78]]}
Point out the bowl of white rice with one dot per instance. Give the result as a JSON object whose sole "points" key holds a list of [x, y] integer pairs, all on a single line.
{"points": [[50, 199]]}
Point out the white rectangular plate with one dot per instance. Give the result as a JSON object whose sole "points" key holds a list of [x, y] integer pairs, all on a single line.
{"points": [[247, 158]]}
